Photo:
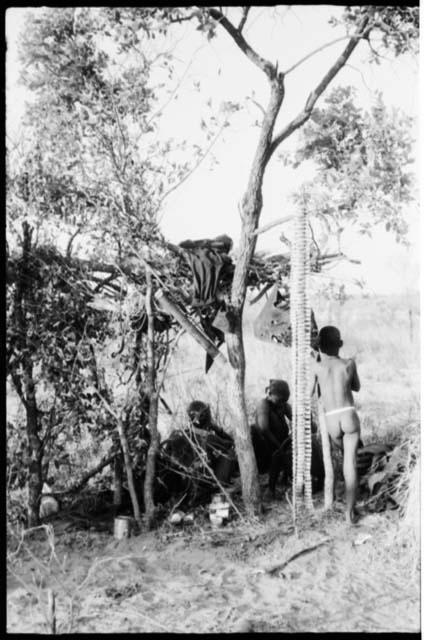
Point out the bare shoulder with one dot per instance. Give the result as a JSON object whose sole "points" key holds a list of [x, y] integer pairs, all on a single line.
{"points": [[314, 363], [350, 363]]}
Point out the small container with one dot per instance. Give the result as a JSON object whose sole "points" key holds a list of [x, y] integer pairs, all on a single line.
{"points": [[189, 518], [216, 521], [219, 511], [122, 528], [176, 518]]}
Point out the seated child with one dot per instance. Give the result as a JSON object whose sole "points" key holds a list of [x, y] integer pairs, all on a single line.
{"points": [[271, 428]]}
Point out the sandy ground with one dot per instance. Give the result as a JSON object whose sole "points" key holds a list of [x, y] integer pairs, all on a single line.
{"points": [[196, 579]]}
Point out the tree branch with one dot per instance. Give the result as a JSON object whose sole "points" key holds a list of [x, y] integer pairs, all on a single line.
{"points": [[271, 225], [318, 50], [257, 104], [193, 169], [173, 92], [86, 477], [106, 282], [266, 66], [72, 238], [304, 115], [244, 18]]}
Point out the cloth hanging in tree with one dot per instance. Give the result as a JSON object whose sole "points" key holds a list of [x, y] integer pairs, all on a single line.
{"points": [[273, 322], [206, 259], [211, 267], [215, 334]]}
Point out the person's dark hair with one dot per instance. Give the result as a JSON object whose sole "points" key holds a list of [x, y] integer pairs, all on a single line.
{"points": [[329, 339], [279, 388], [199, 413]]}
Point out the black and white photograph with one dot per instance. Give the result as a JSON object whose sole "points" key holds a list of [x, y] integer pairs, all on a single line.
{"points": [[212, 301]]}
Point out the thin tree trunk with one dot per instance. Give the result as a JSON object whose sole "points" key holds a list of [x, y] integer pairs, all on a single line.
{"points": [[35, 477], [128, 469], [242, 436], [127, 458], [251, 210], [117, 482], [153, 409]]}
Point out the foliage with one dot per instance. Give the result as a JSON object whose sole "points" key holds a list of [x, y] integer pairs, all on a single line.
{"points": [[398, 26], [49, 299], [95, 116], [361, 161]]}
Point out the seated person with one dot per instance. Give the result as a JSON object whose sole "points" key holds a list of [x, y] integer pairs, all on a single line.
{"points": [[218, 445], [271, 429]]}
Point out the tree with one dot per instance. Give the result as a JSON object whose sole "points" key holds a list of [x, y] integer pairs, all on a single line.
{"points": [[50, 336], [364, 22], [399, 29], [94, 166]]}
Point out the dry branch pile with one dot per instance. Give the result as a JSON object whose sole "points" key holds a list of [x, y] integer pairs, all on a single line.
{"points": [[389, 474]]}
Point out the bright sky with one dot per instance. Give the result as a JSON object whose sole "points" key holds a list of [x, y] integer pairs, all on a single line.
{"points": [[206, 204]]}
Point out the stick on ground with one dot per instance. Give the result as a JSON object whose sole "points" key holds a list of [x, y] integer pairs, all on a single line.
{"points": [[281, 565]]}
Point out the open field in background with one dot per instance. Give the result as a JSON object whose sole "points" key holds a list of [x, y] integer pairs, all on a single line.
{"points": [[381, 332]]}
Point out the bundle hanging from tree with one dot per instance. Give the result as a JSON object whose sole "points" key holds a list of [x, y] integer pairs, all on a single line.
{"points": [[300, 317]]}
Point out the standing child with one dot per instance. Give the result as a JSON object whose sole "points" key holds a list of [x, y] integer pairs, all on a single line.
{"points": [[336, 378]]}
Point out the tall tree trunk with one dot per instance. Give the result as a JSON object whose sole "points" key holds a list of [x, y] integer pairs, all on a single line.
{"points": [[35, 478], [153, 409], [251, 209]]}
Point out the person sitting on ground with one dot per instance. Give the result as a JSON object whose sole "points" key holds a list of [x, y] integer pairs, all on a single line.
{"points": [[271, 429], [218, 445], [336, 379]]}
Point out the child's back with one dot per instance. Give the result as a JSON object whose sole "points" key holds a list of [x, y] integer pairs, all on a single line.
{"points": [[337, 378]]}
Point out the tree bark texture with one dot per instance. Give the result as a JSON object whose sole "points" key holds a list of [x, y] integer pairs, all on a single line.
{"points": [[153, 409], [242, 437]]}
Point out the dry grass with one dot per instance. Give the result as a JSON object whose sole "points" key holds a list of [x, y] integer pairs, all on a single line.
{"points": [[375, 331]]}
